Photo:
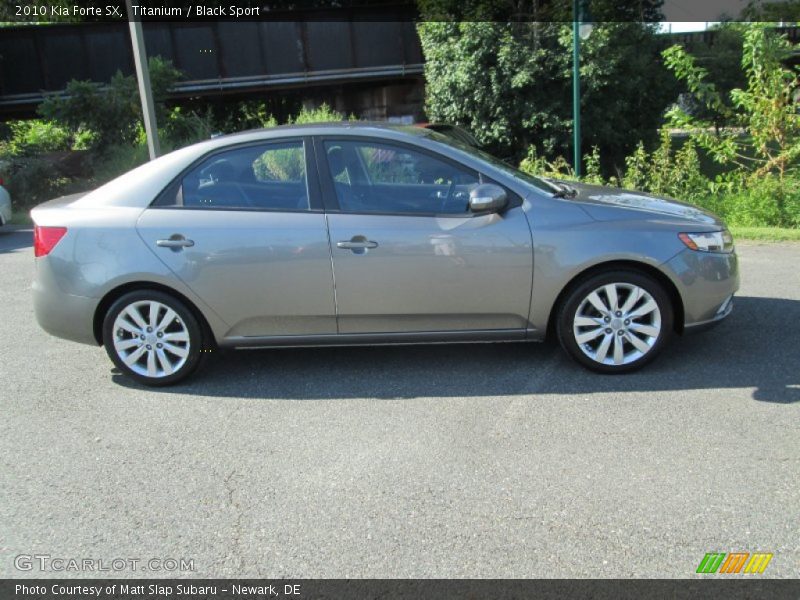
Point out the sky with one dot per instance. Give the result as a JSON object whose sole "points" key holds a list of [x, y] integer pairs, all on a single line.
{"points": [[691, 15], [682, 26]]}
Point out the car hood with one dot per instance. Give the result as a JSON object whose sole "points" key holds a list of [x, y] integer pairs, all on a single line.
{"points": [[609, 203]]}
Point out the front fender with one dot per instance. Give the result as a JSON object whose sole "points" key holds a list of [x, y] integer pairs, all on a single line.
{"points": [[567, 242]]}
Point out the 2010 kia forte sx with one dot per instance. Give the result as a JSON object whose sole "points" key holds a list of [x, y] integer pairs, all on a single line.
{"points": [[365, 234]]}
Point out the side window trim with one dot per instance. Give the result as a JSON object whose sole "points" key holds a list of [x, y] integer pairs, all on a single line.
{"points": [[330, 199], [171, 197], [312, 176]]}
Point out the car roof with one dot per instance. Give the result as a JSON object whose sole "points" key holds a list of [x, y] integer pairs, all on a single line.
{"points": [[152, 177], [350, 127]]}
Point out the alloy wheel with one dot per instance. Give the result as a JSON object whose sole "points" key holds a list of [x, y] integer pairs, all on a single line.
{"points": [[151, 339], [617, 324]]}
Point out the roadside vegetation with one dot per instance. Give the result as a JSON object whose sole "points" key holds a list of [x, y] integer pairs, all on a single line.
{"points": [[94, 133], [719, 129], [749, 137], [766, 234], [722, 133]]}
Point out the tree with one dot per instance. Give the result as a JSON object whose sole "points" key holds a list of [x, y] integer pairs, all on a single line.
{"points": [[111, 113], [765, 137], [510, 83], [721, 57], [774, 11]]}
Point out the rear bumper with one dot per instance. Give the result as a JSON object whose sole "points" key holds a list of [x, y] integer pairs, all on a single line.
{"points": [[706, 283], [60, 314]]}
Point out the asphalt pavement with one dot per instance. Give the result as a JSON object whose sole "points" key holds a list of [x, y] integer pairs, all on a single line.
{"points": [[451, 461]]}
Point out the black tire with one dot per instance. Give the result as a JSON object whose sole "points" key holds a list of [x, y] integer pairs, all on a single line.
{"points": [[577, 298], [184, 321]]}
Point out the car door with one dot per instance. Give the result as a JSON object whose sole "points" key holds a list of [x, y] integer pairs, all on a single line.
{"points": [[408, 255], [245, 230]]}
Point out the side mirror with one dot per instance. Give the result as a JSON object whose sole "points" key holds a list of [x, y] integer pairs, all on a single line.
{"points": [[487, 197]]}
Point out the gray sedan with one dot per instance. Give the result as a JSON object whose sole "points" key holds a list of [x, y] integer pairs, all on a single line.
{"points": [[346, 234]]}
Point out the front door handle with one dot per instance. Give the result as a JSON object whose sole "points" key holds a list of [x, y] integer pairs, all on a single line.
{"points": [[176, 241], [359, 244]]}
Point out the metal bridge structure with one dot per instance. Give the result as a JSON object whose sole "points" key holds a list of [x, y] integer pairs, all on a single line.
{"points": [[216, 57]]}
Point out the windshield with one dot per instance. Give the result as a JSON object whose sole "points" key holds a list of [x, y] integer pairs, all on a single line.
{"points": [[537, 182]]}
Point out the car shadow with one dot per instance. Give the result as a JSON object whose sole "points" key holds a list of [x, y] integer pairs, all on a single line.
{"points": [[13, 239], [756, 347]]}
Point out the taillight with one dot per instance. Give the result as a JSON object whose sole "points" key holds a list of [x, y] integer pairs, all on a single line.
{"points": [[46, 238]]}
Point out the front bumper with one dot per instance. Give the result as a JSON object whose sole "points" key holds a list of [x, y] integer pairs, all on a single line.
{"points": [[719, 316], [706, 282], [5, 211]]}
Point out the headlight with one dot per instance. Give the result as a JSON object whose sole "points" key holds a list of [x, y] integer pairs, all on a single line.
{"points": [[714, 241]]}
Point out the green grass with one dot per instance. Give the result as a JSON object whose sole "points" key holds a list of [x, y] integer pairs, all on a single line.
{"points": [[767, 234]]}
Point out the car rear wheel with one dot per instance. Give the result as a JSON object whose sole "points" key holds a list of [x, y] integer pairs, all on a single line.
{"points": [[152, 338], [615, 322]]}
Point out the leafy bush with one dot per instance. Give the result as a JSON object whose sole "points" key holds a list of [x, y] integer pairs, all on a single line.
{"points": [[112, 113], [756, 206], [535, 164], [735, 196], [765, 110], [593, 169], [287, 164], [321, 114], [510, 82], [666, 171], [83, 139], [721, 56], [35, 136], [252, 115], [32, 180], [182, 127], [757, 179], [116, 160], [163, 77]]}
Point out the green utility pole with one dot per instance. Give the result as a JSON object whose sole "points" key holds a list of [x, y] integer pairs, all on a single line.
{"points": [[576, 86]]}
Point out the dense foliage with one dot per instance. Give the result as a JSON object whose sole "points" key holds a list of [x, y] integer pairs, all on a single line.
{"points": [[765, 109], [113, 112], [757, 154], [722, 62], [510, 84], [729, 141], [105, 134]]}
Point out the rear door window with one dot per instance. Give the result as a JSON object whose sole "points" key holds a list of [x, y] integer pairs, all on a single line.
{"points": [[259, 177]]}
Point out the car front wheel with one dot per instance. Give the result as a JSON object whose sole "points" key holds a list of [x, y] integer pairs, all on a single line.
{"points": [[152, 337], [615, 322]]}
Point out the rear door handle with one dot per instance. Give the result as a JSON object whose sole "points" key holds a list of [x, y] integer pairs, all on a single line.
{"points": [[176, 241], [356, 245]]}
